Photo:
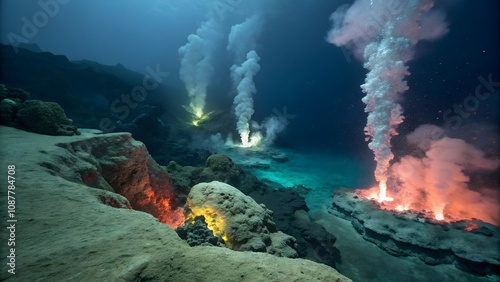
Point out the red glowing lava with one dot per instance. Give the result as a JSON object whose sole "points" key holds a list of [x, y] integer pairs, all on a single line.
{"points": [[459, 209], [161, 206], [446, 179], [471, 226]]}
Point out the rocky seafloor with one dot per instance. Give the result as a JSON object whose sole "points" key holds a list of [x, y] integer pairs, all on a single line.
{"points": [[470, 245], [73, 226]]}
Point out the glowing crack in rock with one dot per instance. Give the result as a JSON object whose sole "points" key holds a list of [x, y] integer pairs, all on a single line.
{"points": [[214, 219], [164, 211], [471, 226]]}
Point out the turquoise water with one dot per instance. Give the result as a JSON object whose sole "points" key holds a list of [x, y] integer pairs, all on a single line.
{"points": [[322, 173]]}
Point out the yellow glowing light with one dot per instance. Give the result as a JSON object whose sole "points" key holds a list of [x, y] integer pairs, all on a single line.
{"points": [[198, 112], [383, 193], [214, 219], [197, 120], [197, 115], [250, 141], [244, 139], [439, 216], [401, 208]]}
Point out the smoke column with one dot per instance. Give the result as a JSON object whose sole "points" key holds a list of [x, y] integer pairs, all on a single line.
{"points": [[383, 33], [242, 42], [243, 37], [196, 63], [273, 125], [243, 75]]}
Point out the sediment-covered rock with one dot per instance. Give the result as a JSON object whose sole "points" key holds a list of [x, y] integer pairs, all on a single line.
{"points": [[238, 219], [67, 230], [116, 162], [469, 245]]}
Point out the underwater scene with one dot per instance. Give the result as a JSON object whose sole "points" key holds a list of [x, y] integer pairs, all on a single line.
{"points": [[249, 140]]}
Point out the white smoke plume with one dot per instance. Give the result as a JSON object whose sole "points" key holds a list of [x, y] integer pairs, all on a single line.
{"points": [[273, 126], [439, 179], [384, 32], [243, 37], [243, 77], [196, 68], [242, 41]]}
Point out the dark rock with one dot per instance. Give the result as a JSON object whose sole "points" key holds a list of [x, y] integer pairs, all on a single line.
{"points": [[8, 110], [484, 231], [33, 47], [179, 152], [469, 245], [217, 168], [290, 215], [44, 118], [13, 93], [197, 233], [302, 190]]}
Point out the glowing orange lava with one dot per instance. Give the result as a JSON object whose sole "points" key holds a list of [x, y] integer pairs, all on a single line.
{"points": [[447, 181], [471, 226], [430, 205], [380, 197], [161, 208]]}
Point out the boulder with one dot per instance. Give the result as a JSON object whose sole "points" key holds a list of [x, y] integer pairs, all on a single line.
{"points": [[44, 118], [196, 233], [238, 219], [8, 110], [13, 93]]}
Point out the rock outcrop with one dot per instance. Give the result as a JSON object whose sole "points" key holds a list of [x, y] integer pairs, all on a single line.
{"points": [[196, 233], [33, 115], [238, 219], [67, 230], [44, 118], [469, 245], [118, 163], [290, 213], [218, 167]]}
